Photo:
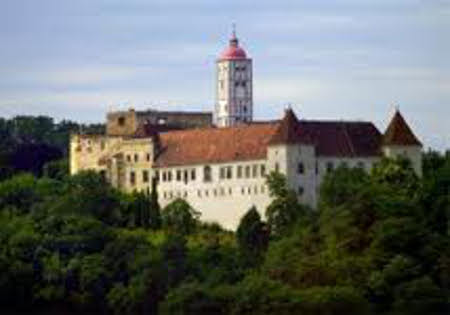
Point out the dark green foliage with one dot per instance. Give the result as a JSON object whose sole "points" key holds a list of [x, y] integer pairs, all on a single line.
{"points": [[378, 244], [180, 217], [284, 210], [252, 235]]}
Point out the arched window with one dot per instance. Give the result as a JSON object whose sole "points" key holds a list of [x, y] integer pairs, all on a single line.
{"points": [[207, 176]]}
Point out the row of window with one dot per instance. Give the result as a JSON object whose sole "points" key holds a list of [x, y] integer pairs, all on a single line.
{"points": [[145, 177], [135, 157], [225, 172], [216, 192]]}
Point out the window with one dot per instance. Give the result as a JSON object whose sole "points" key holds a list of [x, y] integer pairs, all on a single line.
{"points": [[207, 177], [229, 172], [255, 170], [239, 171], [169, 176], [164, 176], [145, 176], [193, 174], [247, 171], [277, 167], [330, 166], [148, 157], [186, 176], [199, 193], [300, 168], [263, 190], [317, 167], [206, 193], [132, 178], [178, 175], [129, 158], [360, 164], [121, 121], [222, 173], [230, 191], [245, 109], [136, 157], [301, 190], [102, 145], [242, 190], [263, 170], [157, 175], [344, 164], [103, 174]]}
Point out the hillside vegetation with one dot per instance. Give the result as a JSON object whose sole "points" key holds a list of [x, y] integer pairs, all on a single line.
{"points": [[377, 244]]}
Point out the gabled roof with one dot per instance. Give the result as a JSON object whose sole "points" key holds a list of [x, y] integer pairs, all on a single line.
{"points": [[399, 133], [341, 138], [288, 131], [214, 145]]}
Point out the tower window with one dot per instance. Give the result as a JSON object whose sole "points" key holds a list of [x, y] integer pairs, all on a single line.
{"points": [[300, 168], [132, 178], [121, 121], [301, 190]]}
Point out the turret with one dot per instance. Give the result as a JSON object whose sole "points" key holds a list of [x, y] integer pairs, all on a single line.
{"points": [[400, 141]]}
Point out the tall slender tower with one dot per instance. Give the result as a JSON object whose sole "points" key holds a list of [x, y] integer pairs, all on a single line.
{"points": [[234, 96]]}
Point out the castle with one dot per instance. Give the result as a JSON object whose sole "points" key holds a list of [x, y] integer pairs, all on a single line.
{"points": [[220, 168]]}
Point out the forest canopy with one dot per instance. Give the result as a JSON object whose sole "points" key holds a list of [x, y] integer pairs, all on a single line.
{"points": [[377, 244]]}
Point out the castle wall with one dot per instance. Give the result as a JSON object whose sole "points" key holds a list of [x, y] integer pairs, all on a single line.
{"points": [[223, 199]]}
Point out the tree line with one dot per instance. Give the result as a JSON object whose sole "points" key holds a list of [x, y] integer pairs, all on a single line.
{"points": [[378, 243]]}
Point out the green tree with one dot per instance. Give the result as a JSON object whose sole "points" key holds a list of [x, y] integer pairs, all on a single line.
{"points": [[284, 210], [252, 235], [180, 217]]}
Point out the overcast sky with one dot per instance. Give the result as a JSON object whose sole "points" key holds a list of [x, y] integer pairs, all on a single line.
{"points": [[348, 59]]}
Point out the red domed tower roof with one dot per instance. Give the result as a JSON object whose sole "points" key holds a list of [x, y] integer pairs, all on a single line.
{"points": [[233, 51]]}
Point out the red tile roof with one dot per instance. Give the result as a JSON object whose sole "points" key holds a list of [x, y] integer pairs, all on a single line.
{"points": [[399, 133], [250, 142], [214, 145], [288, 130]]}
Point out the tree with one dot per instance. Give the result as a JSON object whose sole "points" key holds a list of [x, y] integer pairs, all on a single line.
{"points": [[284, 210], [252, 235], [180, 217], [155, 209]]}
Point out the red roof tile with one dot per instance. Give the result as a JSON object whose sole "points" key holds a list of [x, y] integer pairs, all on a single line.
{"points": [[214, 145], [250, 142], [288, 131], [399, 133]]}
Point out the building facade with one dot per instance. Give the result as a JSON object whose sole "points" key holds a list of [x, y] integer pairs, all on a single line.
{"points": [[221, 171]]}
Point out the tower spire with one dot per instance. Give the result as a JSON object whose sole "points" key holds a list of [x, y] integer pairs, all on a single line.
{"points": [[233, 41]]}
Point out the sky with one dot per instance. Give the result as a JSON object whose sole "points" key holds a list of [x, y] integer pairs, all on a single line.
{"points": [[328, 59]]}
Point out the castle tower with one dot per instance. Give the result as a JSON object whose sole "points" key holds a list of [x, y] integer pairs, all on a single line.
{"points": [[400, 141], [234, 96]]}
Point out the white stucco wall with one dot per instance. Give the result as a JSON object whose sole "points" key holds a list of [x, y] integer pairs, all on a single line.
{"points": [[221, 200]]}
